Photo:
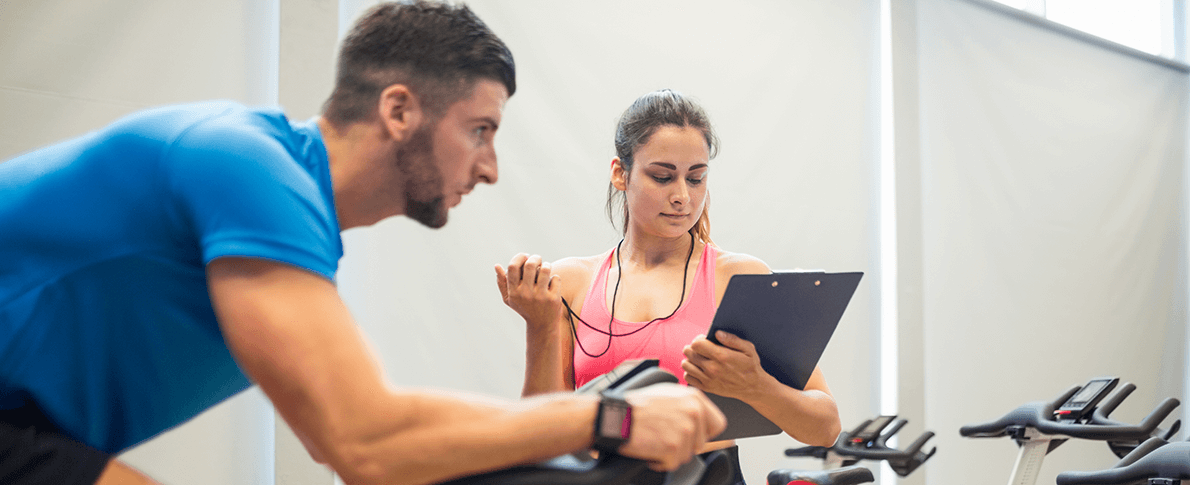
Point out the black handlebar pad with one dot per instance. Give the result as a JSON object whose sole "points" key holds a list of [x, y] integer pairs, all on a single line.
{"points": [[645, 378], [1040, 416], [1171, 461], [811, 451], [849, 475], [1140, 451], [608, 469]]}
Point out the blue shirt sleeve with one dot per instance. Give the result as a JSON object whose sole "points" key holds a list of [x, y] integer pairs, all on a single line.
{"points": [[243, 193]]}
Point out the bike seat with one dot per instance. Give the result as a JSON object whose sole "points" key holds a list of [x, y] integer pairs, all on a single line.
{"points": [[848, 475]]}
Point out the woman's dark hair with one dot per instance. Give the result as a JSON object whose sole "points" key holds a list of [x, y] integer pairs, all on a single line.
{"points": [[639, 122], [438, 50]]}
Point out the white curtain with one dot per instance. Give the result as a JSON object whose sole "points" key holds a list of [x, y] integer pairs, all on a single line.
{"points": [[790, 85], [1053, 228]]}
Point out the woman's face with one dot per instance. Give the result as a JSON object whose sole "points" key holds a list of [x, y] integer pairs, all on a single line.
{"points": [[666, 190]]}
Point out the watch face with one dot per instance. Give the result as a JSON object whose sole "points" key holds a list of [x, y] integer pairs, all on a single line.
{"points": [[614, 424]]}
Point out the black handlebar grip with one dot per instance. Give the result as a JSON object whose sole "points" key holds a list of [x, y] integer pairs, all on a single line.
{"points": [[1171, 461], [645, 378], [1113, 401], [983, 430], [1027, 415], [892, 430], [1173, 429], [1141, 451], [812, 451], [917, 445]]}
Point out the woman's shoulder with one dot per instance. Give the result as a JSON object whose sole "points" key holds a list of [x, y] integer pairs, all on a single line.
{"points": [[579, 264], [729, 264], [576, 273]]}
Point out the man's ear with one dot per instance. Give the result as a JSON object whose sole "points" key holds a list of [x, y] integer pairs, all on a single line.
{"points": [[400, 112], [619, 175]]}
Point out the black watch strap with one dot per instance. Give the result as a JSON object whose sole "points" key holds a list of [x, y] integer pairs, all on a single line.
{"points": [[613, 422]]}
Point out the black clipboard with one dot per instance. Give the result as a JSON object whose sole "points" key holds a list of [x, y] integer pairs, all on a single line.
{"points": [[789, 317]]}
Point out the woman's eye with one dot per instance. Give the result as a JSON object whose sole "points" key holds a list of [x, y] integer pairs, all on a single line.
{"points": [[662, 180], [694, 181]]}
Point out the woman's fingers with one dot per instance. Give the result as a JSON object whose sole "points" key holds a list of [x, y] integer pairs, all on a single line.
{"points": [[515, 267], [529, 274]]}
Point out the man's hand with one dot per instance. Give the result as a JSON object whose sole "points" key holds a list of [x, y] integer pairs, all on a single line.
{"points": [[529, 287], [669, 424]]}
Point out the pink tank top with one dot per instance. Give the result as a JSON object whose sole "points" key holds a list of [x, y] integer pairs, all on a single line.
{"points": [[662, 340]]}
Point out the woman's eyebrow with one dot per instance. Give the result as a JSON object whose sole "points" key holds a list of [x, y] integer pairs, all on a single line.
{"points": [[675, 167]]}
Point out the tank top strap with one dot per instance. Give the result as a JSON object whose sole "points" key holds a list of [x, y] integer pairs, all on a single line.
{"points": [[704, 279], [700, 303], [594, 308]]}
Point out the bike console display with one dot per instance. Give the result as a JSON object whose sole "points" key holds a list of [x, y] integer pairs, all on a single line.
{"points": [[1084, 401], [870, 430]]}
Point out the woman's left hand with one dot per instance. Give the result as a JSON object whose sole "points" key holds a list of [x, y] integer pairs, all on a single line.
{"points": [[731, 369]]}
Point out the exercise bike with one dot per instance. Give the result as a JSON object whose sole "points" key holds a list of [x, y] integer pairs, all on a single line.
{"points": [[1040, 427], [868, 441]]}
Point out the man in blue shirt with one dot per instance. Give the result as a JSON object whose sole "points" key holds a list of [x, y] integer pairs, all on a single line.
{"points": [[153, 268]]}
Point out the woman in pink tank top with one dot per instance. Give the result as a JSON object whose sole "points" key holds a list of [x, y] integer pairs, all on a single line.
{"points": [[654, 294]]}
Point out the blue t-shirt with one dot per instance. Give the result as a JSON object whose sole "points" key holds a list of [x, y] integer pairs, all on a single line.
{"points": [[105, 318]]}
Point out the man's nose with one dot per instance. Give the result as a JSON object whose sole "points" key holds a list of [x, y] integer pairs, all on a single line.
{"points": [[487, 170]]}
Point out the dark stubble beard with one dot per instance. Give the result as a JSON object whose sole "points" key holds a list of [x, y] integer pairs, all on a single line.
{"points": [[424, 200]]}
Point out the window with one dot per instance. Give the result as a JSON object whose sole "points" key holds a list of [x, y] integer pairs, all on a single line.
{"points": [[1144, 25]]}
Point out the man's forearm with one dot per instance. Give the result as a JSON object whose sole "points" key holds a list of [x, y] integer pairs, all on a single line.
{"points": [[458, 435]]}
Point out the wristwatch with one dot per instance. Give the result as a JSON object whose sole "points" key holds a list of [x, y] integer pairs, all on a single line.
{"points": [[613, 422]]}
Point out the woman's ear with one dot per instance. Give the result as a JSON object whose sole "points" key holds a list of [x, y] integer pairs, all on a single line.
{"points": [[399, 111], [619, 175]]}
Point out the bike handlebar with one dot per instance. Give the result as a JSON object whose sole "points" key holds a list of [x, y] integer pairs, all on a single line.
{"points": [[1152, 459], [902, 461], [1040, 416], [609, 468]]}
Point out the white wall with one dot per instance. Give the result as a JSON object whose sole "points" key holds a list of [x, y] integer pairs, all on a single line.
{"points": [[309, 33], [72, 66]]}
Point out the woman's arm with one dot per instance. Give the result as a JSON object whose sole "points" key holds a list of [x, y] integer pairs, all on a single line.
{"points": [[534, 289], [733, 370]]}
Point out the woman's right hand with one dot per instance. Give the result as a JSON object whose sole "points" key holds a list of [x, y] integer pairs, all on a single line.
{"points": [[529, 287]]}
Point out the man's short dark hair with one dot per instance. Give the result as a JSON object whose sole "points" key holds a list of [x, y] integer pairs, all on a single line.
{"points": [[436, 49]]}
